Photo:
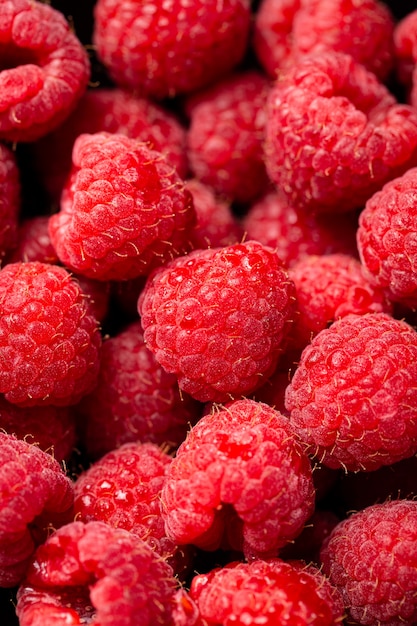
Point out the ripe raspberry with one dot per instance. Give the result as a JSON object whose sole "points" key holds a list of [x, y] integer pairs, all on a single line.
{"points": [[49, 344], [286, 29], [134, 399], [49, 427], [44, 70], [267, 592], [112, 111], [243, 461], [35, 494], [405, 54], [226, 135], [335, 135], [387, 239], [33, 242], [275, 222], [10, 191], [371, 558], [123, 489], [163, 50], [123, 211], [216, 225], [328, 288], [93, 572], [217, 318], [353, 396]]}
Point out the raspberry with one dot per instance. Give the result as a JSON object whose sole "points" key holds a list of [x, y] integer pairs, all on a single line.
{"points": [[44, 70], [134, 399], [353, 397], [123, 211], [405, 54], [35, 494], [123, 489], [93, 572], [387, 239], [163, 50], [112, 111], [371, 558], [226, 135], [267, 592], [242, 462], [217, 318], [49, 344], [275, 222], [335, 135], [33, 242], [328, 288], [216, 225], [308, 544], [286, 29], [10, 191]]}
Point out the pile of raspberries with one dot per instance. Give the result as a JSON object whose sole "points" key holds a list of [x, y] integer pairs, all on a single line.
{"points": [[208, 327]]}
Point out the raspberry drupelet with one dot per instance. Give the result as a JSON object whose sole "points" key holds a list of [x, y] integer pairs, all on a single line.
{"points": [[35, 495], [371, 558], [163, 49], [44, 70], [49, 342], [353, 396], [267, 592], [124, 209], [240, 480], [218, 318], [93, 572], [334, 134]]}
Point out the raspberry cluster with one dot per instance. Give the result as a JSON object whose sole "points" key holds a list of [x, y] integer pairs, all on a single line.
{"points": [[208, 329]]}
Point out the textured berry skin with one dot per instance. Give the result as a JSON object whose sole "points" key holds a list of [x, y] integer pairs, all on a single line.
{"points": [[226, 135], [328, 288], [45, 70], [287, 29], [353, 397], [123, 489], [267, 592], [10, 190], [335, 135], [218, 318], [35, 493], [371, 558], [93, 571], [244, 462], [123, 211], [134, 399], [112, 111], [163, 50], [275, 222], [49, 343], [387, 239]]}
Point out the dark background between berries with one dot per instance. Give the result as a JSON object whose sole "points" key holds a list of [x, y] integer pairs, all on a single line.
{"points": [[35, 201]]}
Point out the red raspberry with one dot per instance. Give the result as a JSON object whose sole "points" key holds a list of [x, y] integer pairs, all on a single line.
{"points": [[10, 191], [35, 494], [387, 239], [267, 592], [112, 111], [405, 54], [286, 29], [93, 572], [275, 222], [226, 135], [335, 135], [33, 242], [353, 396], [328, 288], [162, 50], [134, 399], [245, 462], [123, 211], [45, 70], [49, 427], [218, 318], [216, 225], [49, 344], [371, 558], [123, 489]]}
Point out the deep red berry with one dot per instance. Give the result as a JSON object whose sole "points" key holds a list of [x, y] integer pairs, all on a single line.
{"points": [[10, 194]]}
